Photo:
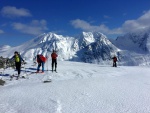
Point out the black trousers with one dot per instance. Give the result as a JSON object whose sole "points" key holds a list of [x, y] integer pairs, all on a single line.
{"points": [[18, 67], [54, 62]]}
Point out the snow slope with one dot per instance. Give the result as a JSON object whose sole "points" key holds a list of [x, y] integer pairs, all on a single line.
{"points": [[78, 88]]}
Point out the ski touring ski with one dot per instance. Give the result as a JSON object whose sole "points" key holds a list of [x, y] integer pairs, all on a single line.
{"points": [[12, 76], [47, 81], [17, 77], [53, 71]]}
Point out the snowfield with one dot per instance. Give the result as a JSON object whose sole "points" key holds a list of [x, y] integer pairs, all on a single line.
{"points": [[78, 88]]}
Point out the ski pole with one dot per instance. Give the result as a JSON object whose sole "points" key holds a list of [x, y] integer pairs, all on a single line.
{"points": [[26, 70], [47, 63], [47, 56]]}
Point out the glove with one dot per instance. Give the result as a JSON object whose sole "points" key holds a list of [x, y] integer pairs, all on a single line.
{"points": [[39, 64]]}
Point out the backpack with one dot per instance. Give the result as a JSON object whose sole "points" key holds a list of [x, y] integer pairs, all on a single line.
{"points": [[17, 58], [115, 59], [54, 55], [42, 58]]}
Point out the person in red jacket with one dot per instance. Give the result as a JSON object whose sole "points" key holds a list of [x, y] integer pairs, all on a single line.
{"points": [[54, 60], [41, 61]]}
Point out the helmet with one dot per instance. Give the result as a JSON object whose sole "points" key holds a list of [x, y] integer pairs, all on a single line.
{"points": [[15, 52]]}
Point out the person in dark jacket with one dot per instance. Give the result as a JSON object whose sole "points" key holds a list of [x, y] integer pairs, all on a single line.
{"points": [[54, 60], [114, 61], [18, 59]]}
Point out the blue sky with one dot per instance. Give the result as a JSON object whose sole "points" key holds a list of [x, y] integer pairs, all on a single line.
{"points": [[22, 20]]}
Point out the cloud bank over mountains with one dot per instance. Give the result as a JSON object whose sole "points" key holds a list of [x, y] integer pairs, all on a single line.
{"points": [[35, 26], [134, 25]]}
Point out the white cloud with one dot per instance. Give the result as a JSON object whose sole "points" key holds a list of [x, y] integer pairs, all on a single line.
{"points": [[106, 16], [36, 27], [141, 23], [9, 11], [1, 31], [88, 27]]}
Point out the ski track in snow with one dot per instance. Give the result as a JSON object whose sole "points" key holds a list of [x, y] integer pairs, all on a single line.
{"points": [[79, 88]]}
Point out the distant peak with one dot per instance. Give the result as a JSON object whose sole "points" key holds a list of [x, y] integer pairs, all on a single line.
{"points": [[5, 46], [51, 33], [95, 34]]}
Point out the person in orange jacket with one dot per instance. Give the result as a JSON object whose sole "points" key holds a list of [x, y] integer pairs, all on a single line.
{"points": [[54, 60]]}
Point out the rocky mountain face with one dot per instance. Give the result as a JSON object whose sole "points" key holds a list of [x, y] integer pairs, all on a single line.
{"points": [[95, 47]]}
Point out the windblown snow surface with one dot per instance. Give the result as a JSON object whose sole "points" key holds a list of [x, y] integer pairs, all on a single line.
{"points": [[78, 88]]}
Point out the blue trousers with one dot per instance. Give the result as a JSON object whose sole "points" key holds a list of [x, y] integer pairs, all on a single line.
{"points": [[39, 65]]}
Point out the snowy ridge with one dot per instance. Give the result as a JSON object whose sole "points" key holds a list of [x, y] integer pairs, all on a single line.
{"points": [[135, 48], [100, 50], [4, 48], [90, 47], [137, 42]]}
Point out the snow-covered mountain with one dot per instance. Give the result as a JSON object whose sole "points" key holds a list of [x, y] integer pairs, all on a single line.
{"points": [[135, 48], [136, 41], [44, 44], [95, 47], [86, 47], [4, 48], [91, 47]]}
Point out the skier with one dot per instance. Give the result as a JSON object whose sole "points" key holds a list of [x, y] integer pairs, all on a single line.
{"points": [[18, 59], [114, 61], [54, 60], [41, 61]]}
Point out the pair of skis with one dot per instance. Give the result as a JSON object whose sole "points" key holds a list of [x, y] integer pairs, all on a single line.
{"points": [[17, 77]]}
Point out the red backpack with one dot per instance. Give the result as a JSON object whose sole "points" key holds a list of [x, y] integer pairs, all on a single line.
{"points": [[43, 59]]}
